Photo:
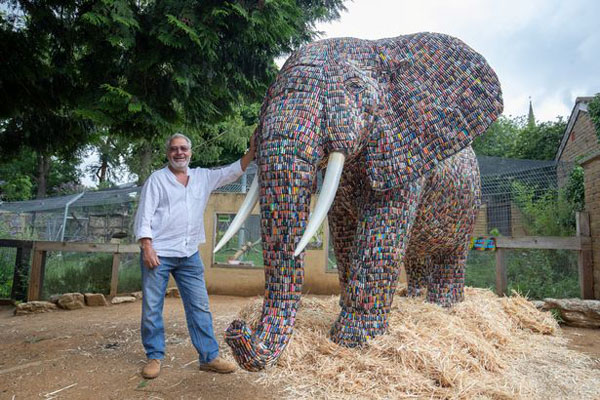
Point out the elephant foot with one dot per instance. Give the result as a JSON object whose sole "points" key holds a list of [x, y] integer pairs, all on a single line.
{"points": [[353, 329], [447, 286], [249, 355]]}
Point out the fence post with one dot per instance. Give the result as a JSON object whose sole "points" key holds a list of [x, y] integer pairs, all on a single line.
{"points": [[36, 276], [585, 262], [19, 285], [501, 281], [114, 278]]}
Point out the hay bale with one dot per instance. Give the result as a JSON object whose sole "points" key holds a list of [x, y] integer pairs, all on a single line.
{"points": [[484, 348]]}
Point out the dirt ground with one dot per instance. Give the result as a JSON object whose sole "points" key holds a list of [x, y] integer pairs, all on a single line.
{"points": [[95, 353]]}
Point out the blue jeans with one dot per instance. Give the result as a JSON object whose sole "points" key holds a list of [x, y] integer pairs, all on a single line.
{"points": [[189, 276]]}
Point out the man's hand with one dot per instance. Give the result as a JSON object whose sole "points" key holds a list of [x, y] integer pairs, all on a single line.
{"points": [[249, 156], [149, 254]]}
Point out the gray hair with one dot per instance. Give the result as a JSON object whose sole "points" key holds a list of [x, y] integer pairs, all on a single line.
{"points": [[175, 136]]}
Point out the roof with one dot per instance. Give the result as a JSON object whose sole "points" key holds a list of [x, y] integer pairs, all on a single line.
{"points": [[85, 199], [581, 105]]}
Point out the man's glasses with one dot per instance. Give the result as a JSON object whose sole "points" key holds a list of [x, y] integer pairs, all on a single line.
{"points": [[174, 149]]}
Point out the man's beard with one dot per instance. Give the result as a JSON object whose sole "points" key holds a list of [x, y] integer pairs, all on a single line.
{"points": [[179, 165]]}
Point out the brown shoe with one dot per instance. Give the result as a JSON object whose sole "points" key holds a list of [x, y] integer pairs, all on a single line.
{"points": [[219, 365], [151, 369]]}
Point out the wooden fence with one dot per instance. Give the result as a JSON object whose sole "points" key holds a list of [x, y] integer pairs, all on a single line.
{"points": [[38, 263], [580, 243]]}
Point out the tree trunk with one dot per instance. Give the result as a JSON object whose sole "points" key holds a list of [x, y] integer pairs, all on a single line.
{"points": [[43, 169], [145, 152], [102, 171]]}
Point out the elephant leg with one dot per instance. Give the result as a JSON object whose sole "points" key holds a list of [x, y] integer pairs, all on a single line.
{"points": [[373, 271], [342, 226], [417, 273], [447, 282]]}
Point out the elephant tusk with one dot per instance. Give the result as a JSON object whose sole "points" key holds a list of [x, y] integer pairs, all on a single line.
{"points": [[331, 181], [242, 214]]}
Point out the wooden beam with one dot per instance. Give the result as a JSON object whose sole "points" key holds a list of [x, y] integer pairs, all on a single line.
{"points": [[129, 248], [501, 266], [542, 242], [34, 291], [16, 243], [585, 262], [77, 247], [114, 278]]}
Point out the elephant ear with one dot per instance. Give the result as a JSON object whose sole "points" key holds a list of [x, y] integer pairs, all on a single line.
{"points": [[440, 96]]}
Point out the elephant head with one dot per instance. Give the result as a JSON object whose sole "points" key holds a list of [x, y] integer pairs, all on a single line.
{"points": [[397, 107]]}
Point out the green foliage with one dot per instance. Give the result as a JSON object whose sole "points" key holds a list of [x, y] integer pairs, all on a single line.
{"points": [[546, 214], [69, 273], [594, 112], [575, 190], [480, 271], [17, 188], [76, 272], [23, 167], [500, 138], [7, 264], [540, 141], [543, 273], [536, 274], [516, 138]]}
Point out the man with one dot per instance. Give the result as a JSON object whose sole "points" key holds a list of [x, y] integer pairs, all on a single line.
{"points": [[169, 225]]}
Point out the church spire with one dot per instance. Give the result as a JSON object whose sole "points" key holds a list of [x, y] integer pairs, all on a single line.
{"points": [[530, 116]]}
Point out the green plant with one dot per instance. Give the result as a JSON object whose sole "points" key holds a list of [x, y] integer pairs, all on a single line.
{"points": [[575, 189], [535, 274], [73, 273], [594, 112], [557, 315], [480, 271], [547, 213]]}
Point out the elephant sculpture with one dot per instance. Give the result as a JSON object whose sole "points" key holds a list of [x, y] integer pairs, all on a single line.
{"points": [[391, 122]]}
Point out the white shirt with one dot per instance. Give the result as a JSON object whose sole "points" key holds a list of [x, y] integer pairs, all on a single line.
{"points": [[172, 215]]}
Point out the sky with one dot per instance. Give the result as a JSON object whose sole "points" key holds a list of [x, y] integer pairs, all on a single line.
{"points": [[548, 50]]}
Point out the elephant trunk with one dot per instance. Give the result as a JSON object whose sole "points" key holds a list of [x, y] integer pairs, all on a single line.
{"points": [[285, 181]]}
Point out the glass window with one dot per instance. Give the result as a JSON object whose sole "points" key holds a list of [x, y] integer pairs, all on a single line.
{"points": [[244, 248]]}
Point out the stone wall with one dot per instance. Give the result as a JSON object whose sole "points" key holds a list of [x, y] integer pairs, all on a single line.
{"points": [[591, 167]]}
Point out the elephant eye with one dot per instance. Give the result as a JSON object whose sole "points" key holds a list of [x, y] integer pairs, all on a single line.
{"points": [[354, 85]]}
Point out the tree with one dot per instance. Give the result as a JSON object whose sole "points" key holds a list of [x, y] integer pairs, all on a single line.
{"points": [[499, 140], [539, 141], [19, 174], [518, 138], [141, 70], [40, 85]]}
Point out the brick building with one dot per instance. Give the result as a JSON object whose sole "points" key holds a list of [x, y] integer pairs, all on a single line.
{"points": [[580, 143]]}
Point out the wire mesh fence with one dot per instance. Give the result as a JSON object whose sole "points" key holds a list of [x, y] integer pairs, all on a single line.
{"points": [[512, 191]]}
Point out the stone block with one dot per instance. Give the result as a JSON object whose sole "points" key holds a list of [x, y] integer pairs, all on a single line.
{"points": [[71, 301], [95, 300], [122, 299], [34, 307], [137, 295], [172, 292]]}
